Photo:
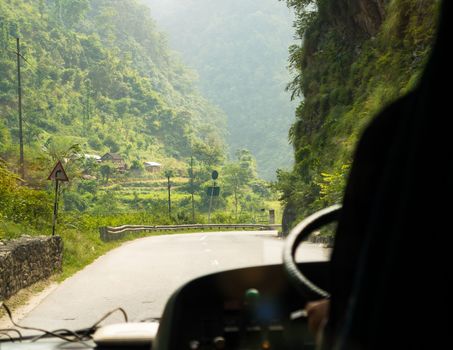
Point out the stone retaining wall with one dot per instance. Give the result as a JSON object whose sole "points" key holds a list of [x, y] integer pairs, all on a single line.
{"points": [[27, 260]]}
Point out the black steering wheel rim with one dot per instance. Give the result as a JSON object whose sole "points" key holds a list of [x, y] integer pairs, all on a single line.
{"points": [[298, 234]]}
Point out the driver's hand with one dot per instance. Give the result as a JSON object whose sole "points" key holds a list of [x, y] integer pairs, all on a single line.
{"points": [[317, 312]]}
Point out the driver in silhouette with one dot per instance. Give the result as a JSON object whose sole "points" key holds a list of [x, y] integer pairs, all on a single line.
{"points": [[390, 281]]}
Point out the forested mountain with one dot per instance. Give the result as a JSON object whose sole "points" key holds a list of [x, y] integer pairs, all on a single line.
{"points": [[357, 57], [98, 78], [99, 74], [239, 48]]}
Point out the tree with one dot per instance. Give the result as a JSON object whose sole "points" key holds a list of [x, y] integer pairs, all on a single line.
{"points": [[90, 166], [238, 176], [137, 167], [56, 149], [106, 170], [111, 144], [233, 176]]}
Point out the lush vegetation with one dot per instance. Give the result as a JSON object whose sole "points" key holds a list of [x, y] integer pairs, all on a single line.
{"points": [[352, 63], [98, 78], [239, 48], [93, 67], [86, 205]]}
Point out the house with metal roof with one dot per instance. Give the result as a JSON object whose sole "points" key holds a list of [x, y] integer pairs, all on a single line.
{"points": [[152, 167]]}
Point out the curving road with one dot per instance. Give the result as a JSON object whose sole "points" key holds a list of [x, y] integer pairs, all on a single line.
{"points": [[141, 275]]}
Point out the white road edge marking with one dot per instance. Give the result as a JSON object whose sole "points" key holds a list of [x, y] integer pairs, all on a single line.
{"points": [[202, 238], [214, 262]]}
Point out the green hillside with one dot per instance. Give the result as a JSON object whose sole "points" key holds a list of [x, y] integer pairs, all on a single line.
{"points": [[357, 57], [99, 74], [98, 77], [239, 48]]}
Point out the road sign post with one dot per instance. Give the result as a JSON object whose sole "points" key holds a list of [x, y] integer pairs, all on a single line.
{"points": [[213, 191], [58, 174], [55, 208]]}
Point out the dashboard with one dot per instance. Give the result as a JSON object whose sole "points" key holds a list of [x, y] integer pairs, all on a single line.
{"points": [[251, 308]]}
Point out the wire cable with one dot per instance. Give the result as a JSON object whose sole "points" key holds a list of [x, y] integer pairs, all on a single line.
{"points": [[94, 326], [6, 330], [79, 336], [6, 334], [8, 311], [66, 332]]}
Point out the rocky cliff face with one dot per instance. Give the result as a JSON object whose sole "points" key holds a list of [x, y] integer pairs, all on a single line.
{"points": [[359, 16], [351, 22], [357, 56], [27, 260], [368, 14]]}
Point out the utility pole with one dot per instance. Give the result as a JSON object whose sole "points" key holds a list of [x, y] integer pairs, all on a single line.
{"points": [[19, 94], [210, 201], [168, 174], [192, 189], [212, 192]]}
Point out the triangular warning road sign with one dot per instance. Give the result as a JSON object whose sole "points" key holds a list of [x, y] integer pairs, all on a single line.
{"points": [[58, 173]]}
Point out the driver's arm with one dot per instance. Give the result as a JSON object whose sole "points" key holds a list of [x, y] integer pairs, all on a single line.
{"points": [[317, 312]]}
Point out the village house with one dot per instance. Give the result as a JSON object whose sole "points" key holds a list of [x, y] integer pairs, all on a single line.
{"points": [[152, 167], [116, 159]]}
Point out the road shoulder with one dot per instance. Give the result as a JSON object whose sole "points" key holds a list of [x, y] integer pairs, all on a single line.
{"points": [[26, 300]]}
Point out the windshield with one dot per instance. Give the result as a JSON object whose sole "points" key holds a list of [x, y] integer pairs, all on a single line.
{"points": [[144, 143]]}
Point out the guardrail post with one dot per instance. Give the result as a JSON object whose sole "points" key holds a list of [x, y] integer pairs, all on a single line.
{"points": [[103, 233]]}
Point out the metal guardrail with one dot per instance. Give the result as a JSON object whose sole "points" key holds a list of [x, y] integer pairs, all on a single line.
{"points": [[110, 233]]}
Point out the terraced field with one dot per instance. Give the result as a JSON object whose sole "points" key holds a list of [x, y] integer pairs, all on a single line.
{"points": [[150, 189], [151, 194]]}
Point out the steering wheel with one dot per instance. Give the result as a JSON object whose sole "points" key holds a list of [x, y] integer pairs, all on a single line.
{"points": [[298, 234]]}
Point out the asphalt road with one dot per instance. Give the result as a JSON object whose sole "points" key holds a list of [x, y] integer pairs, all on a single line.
{"points": [[141, 275]]}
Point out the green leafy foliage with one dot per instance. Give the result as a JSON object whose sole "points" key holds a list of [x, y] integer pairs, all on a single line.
{"points": [[20, 206], [352, 63], [242, 187], [100, 75]]}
